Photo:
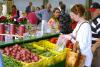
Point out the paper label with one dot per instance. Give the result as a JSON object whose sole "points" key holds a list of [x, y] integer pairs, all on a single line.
{"points": [[8, 38], [26, 35], [39, 34]]}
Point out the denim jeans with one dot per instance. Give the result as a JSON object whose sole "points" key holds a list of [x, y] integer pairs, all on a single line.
{"points": [[1, 62]]}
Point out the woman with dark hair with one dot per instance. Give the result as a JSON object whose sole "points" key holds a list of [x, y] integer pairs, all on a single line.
{"points": [[15, 12], [54, 21], [82, 33]]}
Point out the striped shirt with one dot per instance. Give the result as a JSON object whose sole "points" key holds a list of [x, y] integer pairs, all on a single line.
{"points": [[95, 27]]}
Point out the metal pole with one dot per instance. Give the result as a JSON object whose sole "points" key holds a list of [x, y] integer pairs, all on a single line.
{"points": [[87, 14], [45, 2]]}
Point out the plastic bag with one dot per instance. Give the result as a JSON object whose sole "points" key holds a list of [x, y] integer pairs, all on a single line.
{"points": [[62, 40]]}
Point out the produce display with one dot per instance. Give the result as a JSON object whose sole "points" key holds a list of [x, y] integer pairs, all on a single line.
{"points": [[38, 49], [10, 62], [47, 45], [42, 53], [18, 53], [21, 54], [30, 47], [54, 40], [48, 54]]}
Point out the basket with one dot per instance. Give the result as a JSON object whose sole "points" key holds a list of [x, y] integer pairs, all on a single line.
{"points": [[75, 58], [71, 59]]}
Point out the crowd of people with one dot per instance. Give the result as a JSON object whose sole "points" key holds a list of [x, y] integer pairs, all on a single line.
{"points": [[46, 14], [73, 25]]}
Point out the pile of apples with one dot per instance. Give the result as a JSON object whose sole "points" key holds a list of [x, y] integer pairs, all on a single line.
{"points": [[21, 54]]}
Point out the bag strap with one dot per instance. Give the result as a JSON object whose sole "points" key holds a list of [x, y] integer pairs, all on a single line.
{"points": [[77, 48], [79, 28]]}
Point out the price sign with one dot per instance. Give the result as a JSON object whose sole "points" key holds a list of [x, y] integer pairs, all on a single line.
{"points": [[8, 38], [26, 35]]}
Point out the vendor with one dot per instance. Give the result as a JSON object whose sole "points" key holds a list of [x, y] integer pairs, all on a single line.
{"points": [[54, 20], [15, 12]]}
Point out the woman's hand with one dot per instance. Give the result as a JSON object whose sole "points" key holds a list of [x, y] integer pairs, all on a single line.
{"points": [[68, 36]]}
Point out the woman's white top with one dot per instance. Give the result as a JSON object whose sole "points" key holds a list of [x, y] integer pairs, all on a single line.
{"points": [[84, 37]]}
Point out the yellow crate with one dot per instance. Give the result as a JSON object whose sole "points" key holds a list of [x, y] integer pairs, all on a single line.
{"points": [[46, 44], [60, 56], [32, 64]]}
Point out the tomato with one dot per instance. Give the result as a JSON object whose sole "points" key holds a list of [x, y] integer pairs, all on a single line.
{"points": [[69, 44], [53, 40]]}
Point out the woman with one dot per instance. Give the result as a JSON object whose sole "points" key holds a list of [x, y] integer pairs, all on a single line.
{"points": [[82, 33], [15, 12], [54, 21]]}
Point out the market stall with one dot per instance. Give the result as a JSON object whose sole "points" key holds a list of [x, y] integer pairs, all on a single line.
{"points": [[46, 55]]}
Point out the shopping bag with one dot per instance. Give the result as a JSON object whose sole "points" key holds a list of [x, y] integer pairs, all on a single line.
{"points": [[61, 43], [74, 57], [71, 59], [80, 58], [80, 61]]}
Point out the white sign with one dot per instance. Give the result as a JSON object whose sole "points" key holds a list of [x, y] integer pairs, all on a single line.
{"points": [[8, 38], [26, 35]]}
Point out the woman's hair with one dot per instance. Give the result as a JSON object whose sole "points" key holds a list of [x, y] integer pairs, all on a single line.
{"points": [[13, 6], [55, 9], [78, 9]]}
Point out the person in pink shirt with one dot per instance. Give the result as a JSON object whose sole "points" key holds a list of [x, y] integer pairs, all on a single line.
{"points": [[15, 12], [32, 18]]}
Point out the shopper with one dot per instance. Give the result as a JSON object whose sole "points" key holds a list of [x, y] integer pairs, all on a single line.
{"points": [[39, 16], [54, 21], [82, 33], [46, 13], [29, 8], [95, 26], [65, 21], [95, 22]]}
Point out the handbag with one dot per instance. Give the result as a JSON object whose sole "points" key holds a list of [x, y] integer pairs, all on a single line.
{"points": [[74, 58]]}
